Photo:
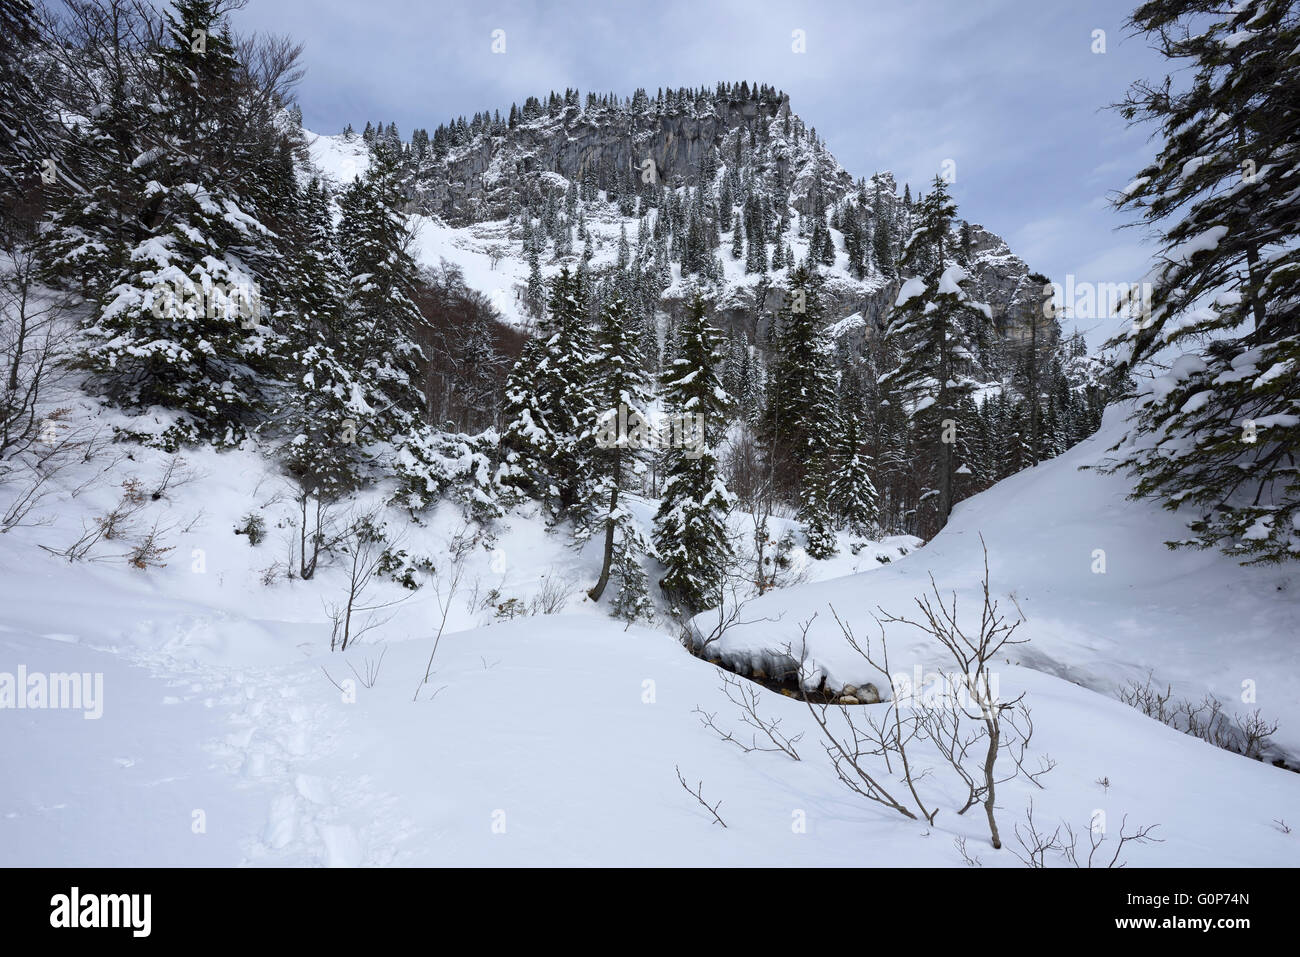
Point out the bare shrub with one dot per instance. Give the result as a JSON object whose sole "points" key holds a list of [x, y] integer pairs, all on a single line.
{"points": [[355, 614], [1246, 734], [868, 739], [972, 652], [1038, 846], [552, 596], [447, 578], [149, 550], [698, 794], [745, 696], [35, 338], [115, 524], [31, 476], [966, 723], [370, 669]]}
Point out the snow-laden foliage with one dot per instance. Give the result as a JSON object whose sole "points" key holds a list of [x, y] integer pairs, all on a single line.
{"points": [[690, 527], [1217, 344]]}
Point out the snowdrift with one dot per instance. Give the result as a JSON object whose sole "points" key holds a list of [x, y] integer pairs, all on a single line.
{"points": [[1105, 601]]}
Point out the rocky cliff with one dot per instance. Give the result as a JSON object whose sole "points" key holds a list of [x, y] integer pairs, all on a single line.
{"points": [[692, 141]]}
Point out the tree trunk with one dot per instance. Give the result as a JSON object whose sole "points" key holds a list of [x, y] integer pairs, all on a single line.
{"points": [[599, 588], [995, 732]]}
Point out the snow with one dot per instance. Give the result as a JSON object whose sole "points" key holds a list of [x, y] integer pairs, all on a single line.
{"points": [[1136, 185], [340, 159], [849, 324], [911, 289], [1195, 620], [552, 739], [949, 282]]}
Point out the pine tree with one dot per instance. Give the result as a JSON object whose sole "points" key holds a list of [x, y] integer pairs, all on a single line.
{"points": [[27, 144], [815, 507], [755, 240], [624, 251], [778, 256], [318, 412], [549, 404], [382, 318], [620, 433], [535, 294], [797, 423], [690, 530], [928, 332], [852, 494], [94, 227], [183, 327], [1218, 431]]}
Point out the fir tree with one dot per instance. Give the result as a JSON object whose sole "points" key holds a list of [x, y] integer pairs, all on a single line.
{"points": [[690, 530], [382, 318], [620, 434], [183, 327], [798, 414], [852, 494], [535, 294], [1217, 430], [27, 144], [549, 405], [928, 331], [318, 412]]}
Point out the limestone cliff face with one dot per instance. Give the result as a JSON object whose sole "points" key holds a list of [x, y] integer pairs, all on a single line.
{"points": [[475, 182], [485, 178], [1016, 295]]}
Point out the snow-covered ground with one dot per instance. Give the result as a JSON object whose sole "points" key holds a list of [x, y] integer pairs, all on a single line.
{"points": [[1105, 601], [230, 734]]}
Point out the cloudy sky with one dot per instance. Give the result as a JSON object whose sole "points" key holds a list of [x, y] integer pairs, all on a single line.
{"points": [[1009, 90]]}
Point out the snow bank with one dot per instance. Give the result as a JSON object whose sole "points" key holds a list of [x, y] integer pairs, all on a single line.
{"points": [[1105, 601]]}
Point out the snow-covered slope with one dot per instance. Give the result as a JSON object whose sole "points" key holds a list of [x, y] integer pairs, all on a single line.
{"points": [[1105, 601], [551, 742], [229, 733]]}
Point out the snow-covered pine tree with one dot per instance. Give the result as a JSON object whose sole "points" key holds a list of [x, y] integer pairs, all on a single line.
{"points": [[320, 406], [1217, 428], [798, 414], [928, 332], [27, 144], [549, 404], [815, 507], [381, 318], [852, 494], [183, 327], [93, 229], [755, 238], [535, 293], [690, 529], [620, 435]]}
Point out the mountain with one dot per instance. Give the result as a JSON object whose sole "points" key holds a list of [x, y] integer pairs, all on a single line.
{"points": [[471, 180]]}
